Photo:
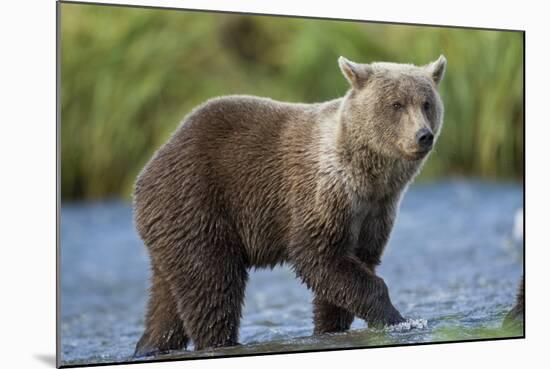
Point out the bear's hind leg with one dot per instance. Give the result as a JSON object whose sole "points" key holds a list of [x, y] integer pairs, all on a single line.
{"points": [[163, 327], [329, 318], [210, 292]]}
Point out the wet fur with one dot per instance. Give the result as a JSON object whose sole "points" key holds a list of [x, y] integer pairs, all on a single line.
{"points": [[250, 182]]}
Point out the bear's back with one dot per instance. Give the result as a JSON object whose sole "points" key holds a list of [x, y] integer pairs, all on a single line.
{"points": [[229, 158]]}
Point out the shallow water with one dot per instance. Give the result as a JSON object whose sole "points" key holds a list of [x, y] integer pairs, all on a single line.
{"points": [[451, 261]]}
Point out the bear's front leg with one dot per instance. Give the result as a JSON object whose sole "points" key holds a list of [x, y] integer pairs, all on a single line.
{"points": [[322, 254], [374, 235], [348, 284], [329, 318]]}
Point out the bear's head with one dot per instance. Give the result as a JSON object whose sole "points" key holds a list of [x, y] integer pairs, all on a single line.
{"points": [[392, 109]]}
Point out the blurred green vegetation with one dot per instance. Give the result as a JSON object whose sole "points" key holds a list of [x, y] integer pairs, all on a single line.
{"points": [[130, 75]]}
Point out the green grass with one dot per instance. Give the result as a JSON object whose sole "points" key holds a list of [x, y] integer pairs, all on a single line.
{"points": [[462, 333], [130, 75]]}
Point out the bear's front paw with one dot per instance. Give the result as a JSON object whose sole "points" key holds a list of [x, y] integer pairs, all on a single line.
{"points": [[392, 316], [382, 312], [385, 316]]}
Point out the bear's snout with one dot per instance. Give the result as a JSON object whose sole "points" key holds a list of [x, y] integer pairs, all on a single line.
{"points": [[424, 139]]}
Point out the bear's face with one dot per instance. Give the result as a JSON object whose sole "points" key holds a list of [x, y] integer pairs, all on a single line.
{"points": [[393, 109]]}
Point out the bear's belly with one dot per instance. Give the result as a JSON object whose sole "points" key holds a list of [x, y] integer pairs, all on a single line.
{"points": [[268, 256], [264, 240]]}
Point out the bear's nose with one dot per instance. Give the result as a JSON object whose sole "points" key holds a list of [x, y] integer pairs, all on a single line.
{"points": [[424, 139]]}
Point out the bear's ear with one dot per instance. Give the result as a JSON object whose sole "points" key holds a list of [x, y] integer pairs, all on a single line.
{"points": [[356, 74], [436, 69]]}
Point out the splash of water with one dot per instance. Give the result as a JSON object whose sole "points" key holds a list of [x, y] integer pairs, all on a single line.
{"points": [[407, 325]]}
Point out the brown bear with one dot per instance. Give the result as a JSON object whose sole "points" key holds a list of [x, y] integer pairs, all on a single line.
{"points": [[252, 182]]}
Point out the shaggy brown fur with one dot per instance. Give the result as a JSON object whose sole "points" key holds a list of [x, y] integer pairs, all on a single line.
{"points": [[252, 182]]}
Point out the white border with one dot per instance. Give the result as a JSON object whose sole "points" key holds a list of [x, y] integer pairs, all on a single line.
{"points": [[27, 182]]}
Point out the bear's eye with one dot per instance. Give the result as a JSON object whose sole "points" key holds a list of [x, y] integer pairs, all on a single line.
{"points": [[426, 106], [397, 106]]}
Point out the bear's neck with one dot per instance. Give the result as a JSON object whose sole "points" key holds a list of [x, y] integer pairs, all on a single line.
{"points": [[371, 175], [365, 173]]}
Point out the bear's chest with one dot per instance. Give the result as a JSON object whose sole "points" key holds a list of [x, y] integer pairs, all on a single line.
{"points": [[360, 211], [365, 217]]}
